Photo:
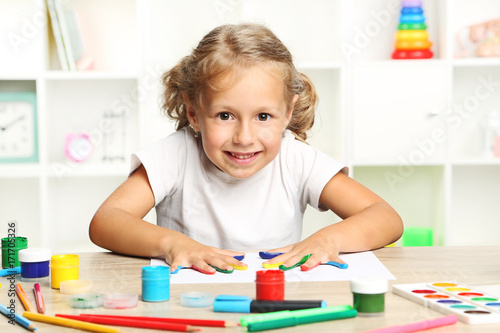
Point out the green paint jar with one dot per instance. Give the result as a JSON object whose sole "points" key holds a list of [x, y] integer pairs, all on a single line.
{"points": [[10, 250], [369, 295]]}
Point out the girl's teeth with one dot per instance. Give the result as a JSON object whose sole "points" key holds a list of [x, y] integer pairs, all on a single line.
{"points": [[241, 157]]}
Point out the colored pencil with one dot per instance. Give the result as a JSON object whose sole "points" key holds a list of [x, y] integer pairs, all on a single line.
{"points": [[10, 271], [17, 318], [24, 298], [40, 304], [133, 323], [187, 321], [78, 324]]}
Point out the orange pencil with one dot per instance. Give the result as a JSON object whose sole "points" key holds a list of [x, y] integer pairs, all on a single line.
{"points": [[24, 298], [78, 324], [40, 304]]}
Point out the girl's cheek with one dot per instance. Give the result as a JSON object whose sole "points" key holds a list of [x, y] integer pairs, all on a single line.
{"points": [[269, 134]]}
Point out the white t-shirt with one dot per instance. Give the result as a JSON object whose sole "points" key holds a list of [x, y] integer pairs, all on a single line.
{"points": [[196, 198]]}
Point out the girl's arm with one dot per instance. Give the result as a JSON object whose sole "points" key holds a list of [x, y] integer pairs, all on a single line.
{"points": [[368, 223], [118, 226]]}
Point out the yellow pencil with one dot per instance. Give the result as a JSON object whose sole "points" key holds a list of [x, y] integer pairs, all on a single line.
{"points": [[24, 298], [69, 323]]}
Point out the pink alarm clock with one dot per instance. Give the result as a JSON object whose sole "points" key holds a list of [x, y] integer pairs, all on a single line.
{"points": [[78, 147]]}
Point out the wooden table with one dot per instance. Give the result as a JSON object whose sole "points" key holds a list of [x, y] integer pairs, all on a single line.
{"points": [[112, 273]]}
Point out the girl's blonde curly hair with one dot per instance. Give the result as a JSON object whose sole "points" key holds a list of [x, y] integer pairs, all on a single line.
{"points": [[234, 48]]}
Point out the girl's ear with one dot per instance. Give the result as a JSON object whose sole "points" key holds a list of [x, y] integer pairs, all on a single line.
{"points": [[289, 113], [191, 112]]}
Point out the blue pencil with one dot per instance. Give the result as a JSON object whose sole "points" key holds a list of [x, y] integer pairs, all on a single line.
{"points": [[27, 324], [10, 271]]}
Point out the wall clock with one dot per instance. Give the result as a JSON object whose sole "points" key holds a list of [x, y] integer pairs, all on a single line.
{"points": [[18, 127]]}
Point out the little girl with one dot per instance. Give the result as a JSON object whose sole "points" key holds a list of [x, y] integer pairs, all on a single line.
{"points": [[238, 174]]}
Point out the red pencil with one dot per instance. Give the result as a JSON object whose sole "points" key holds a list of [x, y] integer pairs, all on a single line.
{"points": [[40, 304], [187, 321], [134, 323]]}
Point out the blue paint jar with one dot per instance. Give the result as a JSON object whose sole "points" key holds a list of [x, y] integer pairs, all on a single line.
{"points": [[155, 283], [35, 263]]}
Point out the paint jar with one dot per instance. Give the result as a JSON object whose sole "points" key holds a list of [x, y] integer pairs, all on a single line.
{"points": [[34, 264], [120, 301], [10, 250], [86, 300], [418, 236], [155, 283], [369, 295], [71, 287], [270, 285], [197, 299], [63, 267]]}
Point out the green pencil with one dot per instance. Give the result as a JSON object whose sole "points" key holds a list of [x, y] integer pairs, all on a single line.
{"points": [[298, 317]]}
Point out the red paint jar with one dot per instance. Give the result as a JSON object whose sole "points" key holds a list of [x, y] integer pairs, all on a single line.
{"points": [[270, 285]]}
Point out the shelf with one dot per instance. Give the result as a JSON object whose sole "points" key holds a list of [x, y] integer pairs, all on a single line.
{"points": [[402, 62], [64, 169], [476, 62], [318, 65], [476, 161], [90, 75], [20, 170], [19, 77], [384, 163], [69, 170]]}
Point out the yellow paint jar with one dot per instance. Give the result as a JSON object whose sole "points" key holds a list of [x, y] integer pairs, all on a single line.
{"points": [[63, 267]]}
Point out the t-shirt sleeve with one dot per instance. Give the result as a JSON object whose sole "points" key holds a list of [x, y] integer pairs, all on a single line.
{"points": [[313, 169], [163, 162]]}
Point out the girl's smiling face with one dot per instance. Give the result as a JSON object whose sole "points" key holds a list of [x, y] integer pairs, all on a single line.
{"points": [[241, 126]]}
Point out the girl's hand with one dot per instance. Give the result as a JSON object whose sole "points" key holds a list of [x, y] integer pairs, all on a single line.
{"points": [[368, 222], [320, 248], [187, 252]]}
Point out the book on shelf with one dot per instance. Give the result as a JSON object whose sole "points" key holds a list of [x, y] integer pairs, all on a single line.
{"points": [[68, 36]]}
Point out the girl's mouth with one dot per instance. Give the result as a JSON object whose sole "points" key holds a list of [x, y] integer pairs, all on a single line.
{"points": [[242, 158]]}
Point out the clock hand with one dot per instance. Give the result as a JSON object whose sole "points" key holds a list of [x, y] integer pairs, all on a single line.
{"points": [[13, 122]]}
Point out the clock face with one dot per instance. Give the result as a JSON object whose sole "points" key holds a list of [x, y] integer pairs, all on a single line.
{"points": [[79, 148], [17, 131]]}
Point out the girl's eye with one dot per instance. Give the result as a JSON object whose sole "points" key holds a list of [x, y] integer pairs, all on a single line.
{"points": [[263, 117], [224, 116]]}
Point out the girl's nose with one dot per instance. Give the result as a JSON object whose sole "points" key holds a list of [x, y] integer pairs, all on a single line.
{"points": [[243, 134]]}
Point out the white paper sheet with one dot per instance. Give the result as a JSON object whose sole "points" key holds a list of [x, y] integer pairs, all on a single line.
{"points": [[360, 264]]}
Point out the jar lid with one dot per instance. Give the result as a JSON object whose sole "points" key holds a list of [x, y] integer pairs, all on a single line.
{"points": [[369, 285], [196, 299], [152, 272], [34, 254], [273, 275], [86, 300], [71, 287], [64, 260], [121, 301]]}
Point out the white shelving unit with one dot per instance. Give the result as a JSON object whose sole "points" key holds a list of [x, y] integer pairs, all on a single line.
{"points": [[414, 125], [395, 123]]}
